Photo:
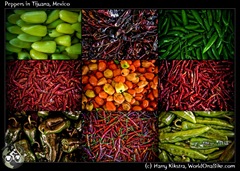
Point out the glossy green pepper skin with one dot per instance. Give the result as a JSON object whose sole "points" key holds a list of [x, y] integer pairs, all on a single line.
{"points": [[60, 57], [68, 16], [19, 43], [53, 16], [43, 114], [15, 29], [22, 23], [28, 38], [44, 46], [65, 28], [35, 17], [60, 49], [72, 56], [12, 48], [10, 36], [23, 56], [38, 55], [13, 18], [188, 115], [64, 40], [35, 30], [205, 143], [43, 34], [80, 17], [181, 135], [54, 33], [163, 157], [77, 27], [74, 49], [79, 35], [72, 115], [181, 151], [54, 24]]}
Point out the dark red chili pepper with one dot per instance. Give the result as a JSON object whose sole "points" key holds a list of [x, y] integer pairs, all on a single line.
{"points": [[116, 136], [192, 83], [38, 82], [107, 34]]}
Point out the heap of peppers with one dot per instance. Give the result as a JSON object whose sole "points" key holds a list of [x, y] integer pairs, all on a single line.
{"points": [[43, 34], [120, 85], [46, 136], [198, 136], [200, 34]]}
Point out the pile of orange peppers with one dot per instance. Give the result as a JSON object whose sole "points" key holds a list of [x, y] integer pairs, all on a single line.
{"points": [[123, 85]]}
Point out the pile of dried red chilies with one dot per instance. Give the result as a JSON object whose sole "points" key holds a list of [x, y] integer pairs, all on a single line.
{"points": [[120, 137], [196, 85], [43, 85], [119, 34]]}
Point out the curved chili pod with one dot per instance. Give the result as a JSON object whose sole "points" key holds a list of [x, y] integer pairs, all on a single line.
{"points": [[182, 151], [188, 115], [181, 135]]}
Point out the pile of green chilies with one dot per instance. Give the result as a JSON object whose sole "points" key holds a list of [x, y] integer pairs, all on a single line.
{"points": [[199, 136], [43, 34], [196, 34]]}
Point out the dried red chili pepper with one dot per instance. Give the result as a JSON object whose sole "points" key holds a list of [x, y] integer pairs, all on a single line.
{"points": [[119, 34], [196, 85], [121, 137], [39, 85]]}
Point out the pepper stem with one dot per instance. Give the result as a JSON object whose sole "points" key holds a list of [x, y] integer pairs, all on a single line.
{"points": [[175, 123]]}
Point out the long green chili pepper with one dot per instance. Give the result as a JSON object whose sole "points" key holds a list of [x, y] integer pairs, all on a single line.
{"points": [[214, 114], [188, 115], [181, 135], [197, 17], [182, 144], [208, 151], [214, 134], [168, 118], [215, 155], [165, 129], [205, 143], [181, 151], [213, 121], [210, 42]]}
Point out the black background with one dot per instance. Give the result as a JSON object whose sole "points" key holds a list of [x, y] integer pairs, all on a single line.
{"points": [[156, 4]]}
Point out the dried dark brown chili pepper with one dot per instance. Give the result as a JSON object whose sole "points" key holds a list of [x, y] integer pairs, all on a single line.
{"points": [[119, 34]]}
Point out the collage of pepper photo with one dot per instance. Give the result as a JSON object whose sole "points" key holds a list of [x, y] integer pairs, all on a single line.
{"points": [[120, 85]]}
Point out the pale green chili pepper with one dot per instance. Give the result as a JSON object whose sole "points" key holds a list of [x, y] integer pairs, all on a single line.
{"points": [[68, 16], [44, 46], [35, 17]]}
